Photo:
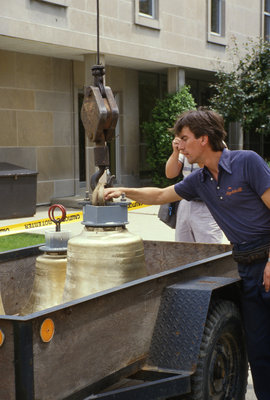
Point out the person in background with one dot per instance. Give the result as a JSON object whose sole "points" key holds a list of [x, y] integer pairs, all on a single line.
{"points": [[235, 185], [194, 222]]}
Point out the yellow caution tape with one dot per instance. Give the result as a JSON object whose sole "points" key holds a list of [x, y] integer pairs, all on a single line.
{"points": [[41, 223], [134, 205]]}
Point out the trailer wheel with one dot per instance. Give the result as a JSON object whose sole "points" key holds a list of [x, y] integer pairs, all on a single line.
{"points": [[222, 366]]}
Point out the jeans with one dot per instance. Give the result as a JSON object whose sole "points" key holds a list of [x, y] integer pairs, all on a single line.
{"points": [[256, 313]]}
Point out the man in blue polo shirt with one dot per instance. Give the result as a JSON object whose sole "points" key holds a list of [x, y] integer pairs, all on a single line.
{"points": [[235, 185]]}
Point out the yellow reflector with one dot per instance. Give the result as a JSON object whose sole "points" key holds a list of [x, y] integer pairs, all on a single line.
{"points": [[47, 330]]}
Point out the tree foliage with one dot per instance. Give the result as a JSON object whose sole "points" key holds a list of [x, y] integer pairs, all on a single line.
{"points": [[244, 94], [158, 134]]}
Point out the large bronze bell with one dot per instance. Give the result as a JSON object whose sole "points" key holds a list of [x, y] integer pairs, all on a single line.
{"points": [[101, 258]]}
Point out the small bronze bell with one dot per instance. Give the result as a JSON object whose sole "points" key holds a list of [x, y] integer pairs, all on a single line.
{"points": [[50, 272]]}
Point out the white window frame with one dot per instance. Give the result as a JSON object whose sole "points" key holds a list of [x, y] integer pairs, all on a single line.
{"points": [[63, 3], [266, 15], [149, 21], [217, 37]]}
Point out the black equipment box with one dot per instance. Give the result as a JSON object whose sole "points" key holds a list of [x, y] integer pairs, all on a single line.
{"points": [[18, 191]]}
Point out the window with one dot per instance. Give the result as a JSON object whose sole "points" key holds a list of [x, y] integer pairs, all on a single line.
{"points": [[147, 7], [216, 17], [216, 21], [146, 13], [267, 20]]}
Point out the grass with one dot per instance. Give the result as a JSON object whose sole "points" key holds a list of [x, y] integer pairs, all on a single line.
{"points": [[20, 240]]}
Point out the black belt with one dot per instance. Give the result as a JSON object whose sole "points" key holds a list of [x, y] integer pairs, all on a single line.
{"points": [[252, 256]]}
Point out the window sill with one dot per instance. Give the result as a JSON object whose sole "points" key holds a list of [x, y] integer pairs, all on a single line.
{"points": [[221, 40], [62, 3], [147, 21]]}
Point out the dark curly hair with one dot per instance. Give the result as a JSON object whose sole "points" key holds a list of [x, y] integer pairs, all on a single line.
{"points": [[203, 122]]}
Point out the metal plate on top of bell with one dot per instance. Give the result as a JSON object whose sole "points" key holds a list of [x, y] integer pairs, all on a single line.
{"points": [[114, 215], [48, 249]]}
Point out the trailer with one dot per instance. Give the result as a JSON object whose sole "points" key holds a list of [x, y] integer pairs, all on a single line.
{"points": [[176, 332]]}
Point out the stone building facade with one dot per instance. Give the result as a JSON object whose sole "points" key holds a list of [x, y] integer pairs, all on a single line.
{"points": [[47, 48]]}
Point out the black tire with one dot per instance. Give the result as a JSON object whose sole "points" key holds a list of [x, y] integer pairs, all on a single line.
{"points": [[222, 367]]}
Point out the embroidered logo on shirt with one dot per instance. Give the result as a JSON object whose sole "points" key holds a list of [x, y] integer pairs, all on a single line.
{"points": [[231, 191]]}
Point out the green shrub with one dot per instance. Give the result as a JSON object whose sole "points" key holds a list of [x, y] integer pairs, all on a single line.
{"points": [[158, 135], [244, 93]]}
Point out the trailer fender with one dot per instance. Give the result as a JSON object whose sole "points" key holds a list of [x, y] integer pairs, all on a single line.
{"points": [[181, 320]]}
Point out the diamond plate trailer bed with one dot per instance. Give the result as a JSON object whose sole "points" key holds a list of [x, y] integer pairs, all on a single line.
{"points": [[176, 332]]}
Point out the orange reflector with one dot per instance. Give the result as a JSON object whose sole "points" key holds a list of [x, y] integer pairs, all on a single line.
{"points": [[47, 330], [2, 337]]}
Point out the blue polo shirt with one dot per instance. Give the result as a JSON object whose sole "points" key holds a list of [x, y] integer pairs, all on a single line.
{"points": [[235, 199]]}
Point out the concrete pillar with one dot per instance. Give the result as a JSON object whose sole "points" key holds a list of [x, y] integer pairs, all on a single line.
{"points": [[236, 138], [89, 61], [176, 79]]}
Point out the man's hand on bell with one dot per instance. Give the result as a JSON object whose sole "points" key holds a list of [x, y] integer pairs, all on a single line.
{"points": [[112, 193]]}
